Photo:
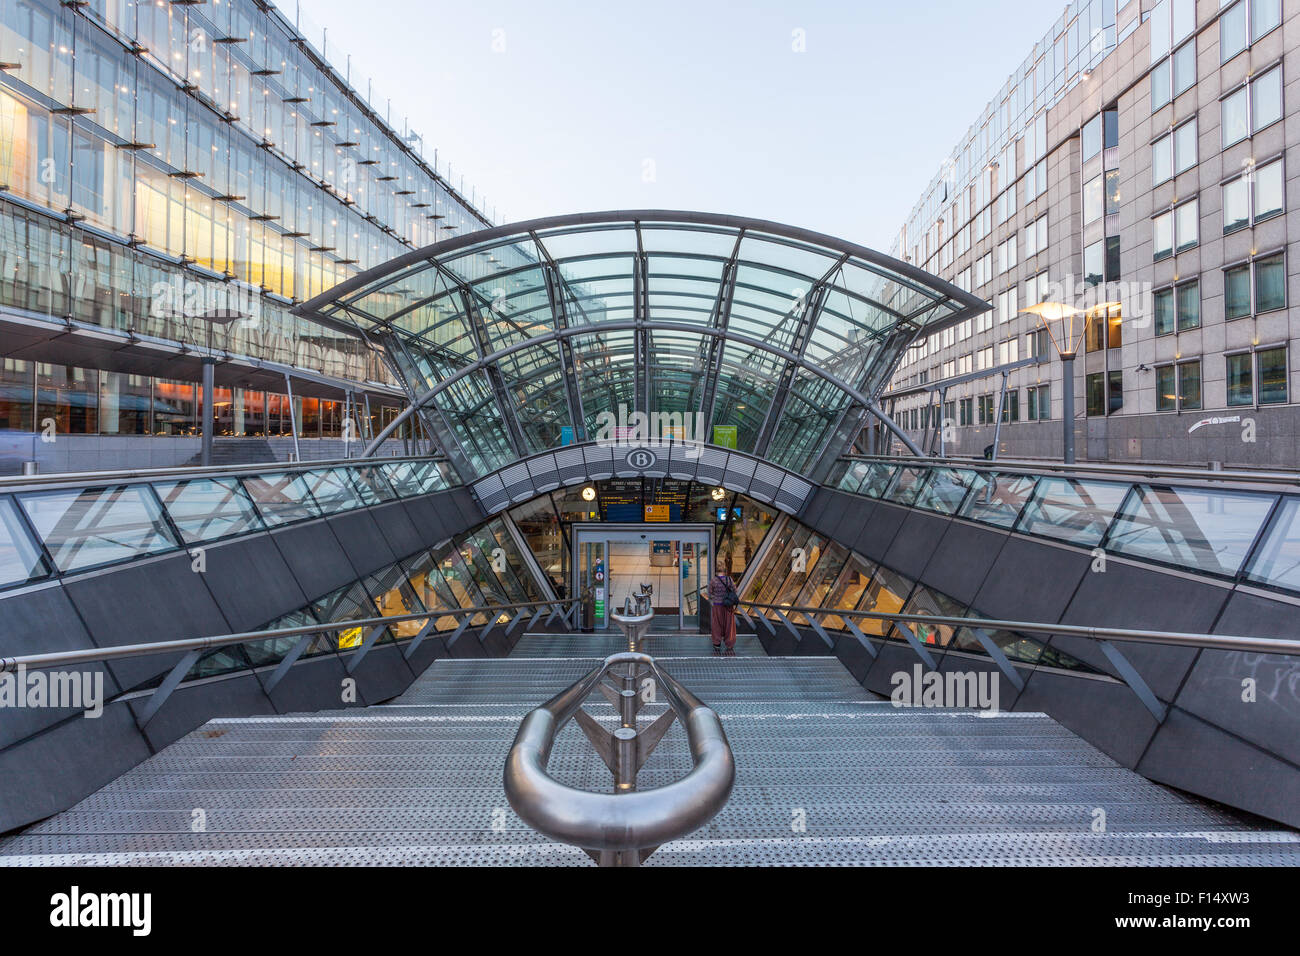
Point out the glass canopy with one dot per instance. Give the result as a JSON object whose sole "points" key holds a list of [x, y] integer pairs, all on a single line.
{"points": [[737, 332]]}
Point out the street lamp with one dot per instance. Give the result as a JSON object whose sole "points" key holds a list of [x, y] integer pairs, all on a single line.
{"points": [[1059, 321]]}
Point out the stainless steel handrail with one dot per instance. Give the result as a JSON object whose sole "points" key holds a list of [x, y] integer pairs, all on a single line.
{"points": [[1220, 642], [622, 828], [1135, 471], [120, 651], [132, 475]]}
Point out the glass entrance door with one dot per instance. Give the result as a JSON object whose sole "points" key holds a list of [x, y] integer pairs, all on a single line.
{"points": [[618, 561]]}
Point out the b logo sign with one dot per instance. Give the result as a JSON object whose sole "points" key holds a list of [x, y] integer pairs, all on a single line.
{"points": [[641, 459]]}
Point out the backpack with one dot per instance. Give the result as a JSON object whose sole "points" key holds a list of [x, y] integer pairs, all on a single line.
{"points": [[729, 597]]}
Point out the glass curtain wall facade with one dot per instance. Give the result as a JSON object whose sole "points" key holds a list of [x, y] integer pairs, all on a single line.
{"points": [[714, 329], [158, 160]]}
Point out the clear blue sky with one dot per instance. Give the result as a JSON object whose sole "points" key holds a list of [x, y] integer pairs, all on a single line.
{"points": [[841, 138]]}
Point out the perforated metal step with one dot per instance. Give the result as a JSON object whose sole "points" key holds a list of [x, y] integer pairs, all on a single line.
{"points": [[826, 774]]}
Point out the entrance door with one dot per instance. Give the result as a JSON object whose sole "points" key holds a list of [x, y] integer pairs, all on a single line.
{"points": [[617, 560]]}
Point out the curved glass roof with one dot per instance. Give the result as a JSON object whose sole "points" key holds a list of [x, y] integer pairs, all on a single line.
{"points": [[523, 337]]}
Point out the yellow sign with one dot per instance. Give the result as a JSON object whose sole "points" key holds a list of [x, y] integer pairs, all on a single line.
{"points": [[351, 637], [657, 513]]}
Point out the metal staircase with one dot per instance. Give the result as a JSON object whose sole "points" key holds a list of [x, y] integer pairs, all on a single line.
{"points": [[825, 774]]}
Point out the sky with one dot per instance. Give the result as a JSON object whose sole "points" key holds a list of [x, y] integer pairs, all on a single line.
{"points": [[559, 106]]}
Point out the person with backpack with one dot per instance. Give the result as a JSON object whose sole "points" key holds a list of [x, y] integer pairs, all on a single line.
{"points": [[723, 600]]}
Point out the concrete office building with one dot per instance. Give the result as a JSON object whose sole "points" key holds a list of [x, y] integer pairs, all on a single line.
{"points": [[1134, 166], [173, 178]]}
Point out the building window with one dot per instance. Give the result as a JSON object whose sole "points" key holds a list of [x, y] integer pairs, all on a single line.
{"points": [[1178, 387], [1163, 308], [1253, 197], [1007, 304], [1252, 107], [1271, 364], [1166, 389], [1159, 85], [1093, 202], [1095, 386], [1173, 153], [1189, 385], [1094, 263], [1009, 351], [1114, 391], [1090, 138], [1040, 403], [986, 409], [1178, 308], [1176, 230], [1011, 406], [1266, 366], [1264, 16], [967, 407], [1265, 278], [1189, 305], [1036, 345]]}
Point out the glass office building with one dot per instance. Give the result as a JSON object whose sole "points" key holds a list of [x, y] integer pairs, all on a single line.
{"points": [[165, 164], [1133, 166]]}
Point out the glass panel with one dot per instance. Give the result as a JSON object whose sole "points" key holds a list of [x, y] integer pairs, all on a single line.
{"points": [[281, 498], [1194, 528], [1270, 284], [927, 601], [1236, 205], [394, 597], [1266, 100], [910, 481], [333, 489], [998, 499], [1278, 559], [1268, 191], [1272, 376], [1189, 306], [1241, 388], [94, 526], [20, 558], [1236, 292], [875, 484], [886, 594], [1189, 385], [1068, 509], [1233, 108], [205, 509], [372, 485], [947, 488], [1166, 388]]}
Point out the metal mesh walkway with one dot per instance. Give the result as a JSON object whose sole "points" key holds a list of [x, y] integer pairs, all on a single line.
{"points": [[825, 775]]}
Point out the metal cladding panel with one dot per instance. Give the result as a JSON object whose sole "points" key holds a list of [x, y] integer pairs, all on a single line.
{"points": [[570, 465], [544, 473], [1192, 755], [766, 483], [739, 473], [711, 466], [683, 460], [794, 492], [491, 494], [600, 461], [519, 485]]}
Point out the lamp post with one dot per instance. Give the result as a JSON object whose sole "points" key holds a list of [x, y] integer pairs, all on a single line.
{"points": [[1067, 345]]}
